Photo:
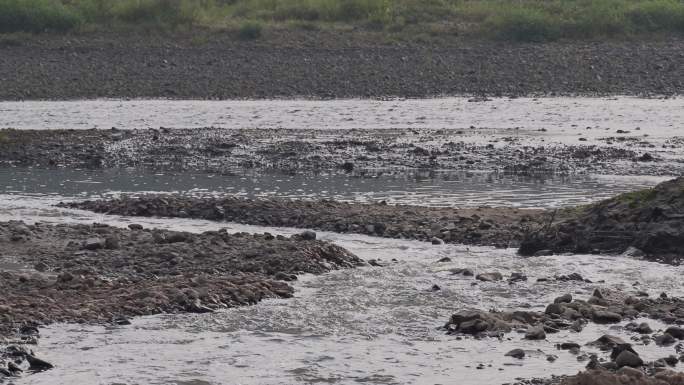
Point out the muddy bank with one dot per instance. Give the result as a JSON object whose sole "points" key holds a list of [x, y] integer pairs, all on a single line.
{"points": [[321, 64], [646, 223], [347, 151], [501, 227], [97, 273]]}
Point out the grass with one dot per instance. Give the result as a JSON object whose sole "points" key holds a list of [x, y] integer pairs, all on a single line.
{"points": [[515, 20]]}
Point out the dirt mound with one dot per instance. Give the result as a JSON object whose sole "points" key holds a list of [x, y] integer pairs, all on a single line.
{"points": [[647, 223]]}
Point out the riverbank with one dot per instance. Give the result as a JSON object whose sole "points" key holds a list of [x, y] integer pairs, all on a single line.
{"points": [[328, 64], [102, 274], [501, 227]]}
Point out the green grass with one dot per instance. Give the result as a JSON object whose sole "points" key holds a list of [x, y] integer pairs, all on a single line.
{"points": [[516, 20]]}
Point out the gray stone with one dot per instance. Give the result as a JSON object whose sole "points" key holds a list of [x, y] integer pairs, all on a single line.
{"points": [[94, 244], [490, 277], [565, 298], [676, 332], [516, 353], [535, 333], [606, 317], [627, 358]]}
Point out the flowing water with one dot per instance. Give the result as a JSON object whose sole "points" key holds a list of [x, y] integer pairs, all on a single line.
{"points": [[360, 326]]}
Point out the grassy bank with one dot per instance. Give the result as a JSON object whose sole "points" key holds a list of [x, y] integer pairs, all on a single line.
{"points": [[521, 20]]}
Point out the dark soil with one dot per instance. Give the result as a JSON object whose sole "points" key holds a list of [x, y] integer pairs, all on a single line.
{"points": [[647, 223], [321, 64], [502, 227], [225, 151]]}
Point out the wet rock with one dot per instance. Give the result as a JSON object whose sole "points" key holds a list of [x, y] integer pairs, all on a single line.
{"points": [[608, 342], [555, 308], [489, 277], [517, 277], [535, 333], [633, 252], [516, 353], [598, 294], [437, 241], [565, 298], [671, 360], [543, 253], [111, 243], [435, 288], [568, 346], [676, 332], [444, 260], [282, 276], [308, 236], [643, 328], [665, 340], [628, 358], [462, 271], [135, 226], [94, 244], [606, 317], [37, 364]]}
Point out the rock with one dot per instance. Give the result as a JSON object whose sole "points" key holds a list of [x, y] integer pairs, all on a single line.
{"points": [[40, 266], [489, 277], [646, 157], [65, 277], [465, 272], [643, 328], [535, 333], [598, 294], [435, 288], [444, 259], [543, 253], [671, 360], [565, 298], [308, 235], [36, 364], [555, 308], [627, 358], [135, 226], [608, 341], [516, 353], [517, 277], [282, 276], [111, 243], [631, 372], [633, 252], [606, 317], [665, 340], [94, 244], [568, 346], [436, 241], [676, 332]]}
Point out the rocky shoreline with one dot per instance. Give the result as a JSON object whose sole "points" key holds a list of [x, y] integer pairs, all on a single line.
{"points": [[619, 362], [226, 151], [646, 223], [319, 64], [500, 227], [101, 274]]}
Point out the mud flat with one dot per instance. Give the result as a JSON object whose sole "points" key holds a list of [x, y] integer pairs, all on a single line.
{"points": [[101, 274], [501, 227], [324, 65], [291, 150]]}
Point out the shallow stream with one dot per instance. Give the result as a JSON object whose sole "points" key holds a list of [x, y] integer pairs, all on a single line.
{"points": [[373, 325]]}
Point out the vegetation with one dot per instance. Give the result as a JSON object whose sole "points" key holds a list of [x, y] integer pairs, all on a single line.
{"points": [[521, 20]]}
